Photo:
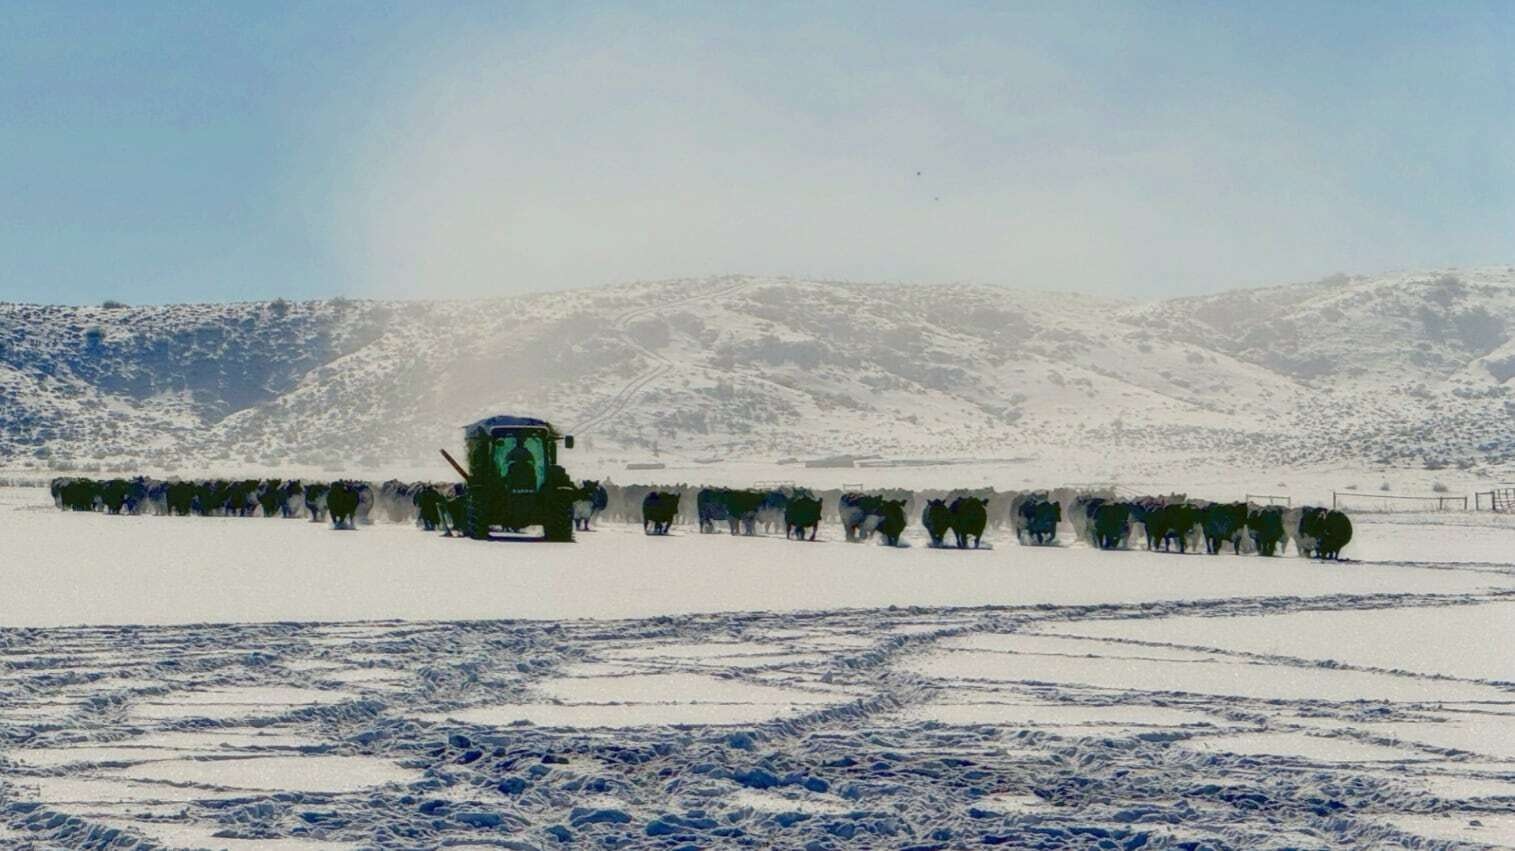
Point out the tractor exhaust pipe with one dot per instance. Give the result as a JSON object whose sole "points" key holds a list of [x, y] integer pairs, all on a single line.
{"points": [[455, 465]]}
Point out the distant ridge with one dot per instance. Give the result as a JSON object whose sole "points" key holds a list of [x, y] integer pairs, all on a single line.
{"points": [[1403, 369]]}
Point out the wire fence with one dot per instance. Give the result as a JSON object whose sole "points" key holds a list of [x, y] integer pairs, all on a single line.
{"points": [[1497, 499], [1386, 502], [1269, 499]]}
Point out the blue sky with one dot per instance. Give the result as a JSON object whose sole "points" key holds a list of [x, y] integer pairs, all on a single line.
{"points": [[157, 152]]}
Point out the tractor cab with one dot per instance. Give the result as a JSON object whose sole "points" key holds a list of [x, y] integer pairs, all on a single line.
{"points": [[522, 457], [514, 479]]}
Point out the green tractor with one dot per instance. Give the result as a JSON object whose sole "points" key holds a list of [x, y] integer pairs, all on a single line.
{"points": [[514, 479]]}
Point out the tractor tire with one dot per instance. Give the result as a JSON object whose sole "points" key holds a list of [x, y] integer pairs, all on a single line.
{"points": [[557, 526], [476, 520]]}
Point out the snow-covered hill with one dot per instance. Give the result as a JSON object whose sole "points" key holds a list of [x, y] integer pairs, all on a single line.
{"points": [[1401, 369]]}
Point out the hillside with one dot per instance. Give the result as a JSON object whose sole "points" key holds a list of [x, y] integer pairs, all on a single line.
{"points": [[1403, 369]]}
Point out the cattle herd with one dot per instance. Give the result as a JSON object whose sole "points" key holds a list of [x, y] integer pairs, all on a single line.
{"points": [[346, 503], [1172, 523]]}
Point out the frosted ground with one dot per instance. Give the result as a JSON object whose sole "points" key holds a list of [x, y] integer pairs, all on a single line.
{"points": [[252, 684]]}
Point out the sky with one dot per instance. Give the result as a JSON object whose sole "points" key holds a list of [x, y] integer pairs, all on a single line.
{"points": [[163, 152]]}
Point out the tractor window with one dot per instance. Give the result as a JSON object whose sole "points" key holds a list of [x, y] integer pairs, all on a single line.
{"points": [[533, 443]]}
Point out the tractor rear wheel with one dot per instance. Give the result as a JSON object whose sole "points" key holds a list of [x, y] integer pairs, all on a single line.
{"points": [[476, 519], [557, 525]]}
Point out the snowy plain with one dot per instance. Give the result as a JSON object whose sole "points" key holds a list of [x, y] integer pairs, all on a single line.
{"points": [[71, 569], [249, 683]]}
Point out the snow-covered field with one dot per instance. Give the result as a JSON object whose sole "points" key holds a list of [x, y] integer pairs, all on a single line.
{"points": [[252, 684]]}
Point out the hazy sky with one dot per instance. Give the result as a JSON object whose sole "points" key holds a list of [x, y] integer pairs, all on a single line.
{"points": [[157, 151]]}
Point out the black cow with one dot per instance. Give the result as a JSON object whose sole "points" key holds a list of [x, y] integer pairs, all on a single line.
{"points": [[1265, 525], [270, 497], [1110, 524], [430, 506], [294, 499], [1167, 524], [861, 514], [136, 494], [969, 516], [342, 500], [892, 521], [366, 501], [1082, 517], [316, 494], [455, 509], [658, 511], [936, 517], [1335, 534], [80, 494], [803, 512], [1036, 518], [123, 496], [712, 507], [1304, 526], [157, 496], [1322, 533], [1224, 523], [211, 497], [181, 498], [772, 510], [113, 495], [242, 498], [742, 510]]}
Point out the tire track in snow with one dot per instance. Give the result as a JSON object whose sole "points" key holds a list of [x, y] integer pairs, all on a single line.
{"points": [[883, 782]]}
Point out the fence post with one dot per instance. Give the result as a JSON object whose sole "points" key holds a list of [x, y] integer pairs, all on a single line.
{"points": [[1333, 500]]}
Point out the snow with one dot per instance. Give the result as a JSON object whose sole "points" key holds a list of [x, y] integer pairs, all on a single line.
{"points": [[1237, 679], [1464, 787], [1470, 641], [1462, 728], [617, 715], [250, 684], [96, 791], [1495, 831], [696, 688], [1490, 539], [1394, 370], [235, 702], [305, 773], [196, 836], [218, 739], [780, 803], [1310, 747], [98, 569], [1050, 715]]}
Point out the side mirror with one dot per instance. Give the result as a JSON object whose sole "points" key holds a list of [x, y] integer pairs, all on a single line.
{"points": [[567, 441]]}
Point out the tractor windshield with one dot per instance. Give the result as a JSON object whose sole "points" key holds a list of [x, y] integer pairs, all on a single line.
{"points": [[527, 450]]}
